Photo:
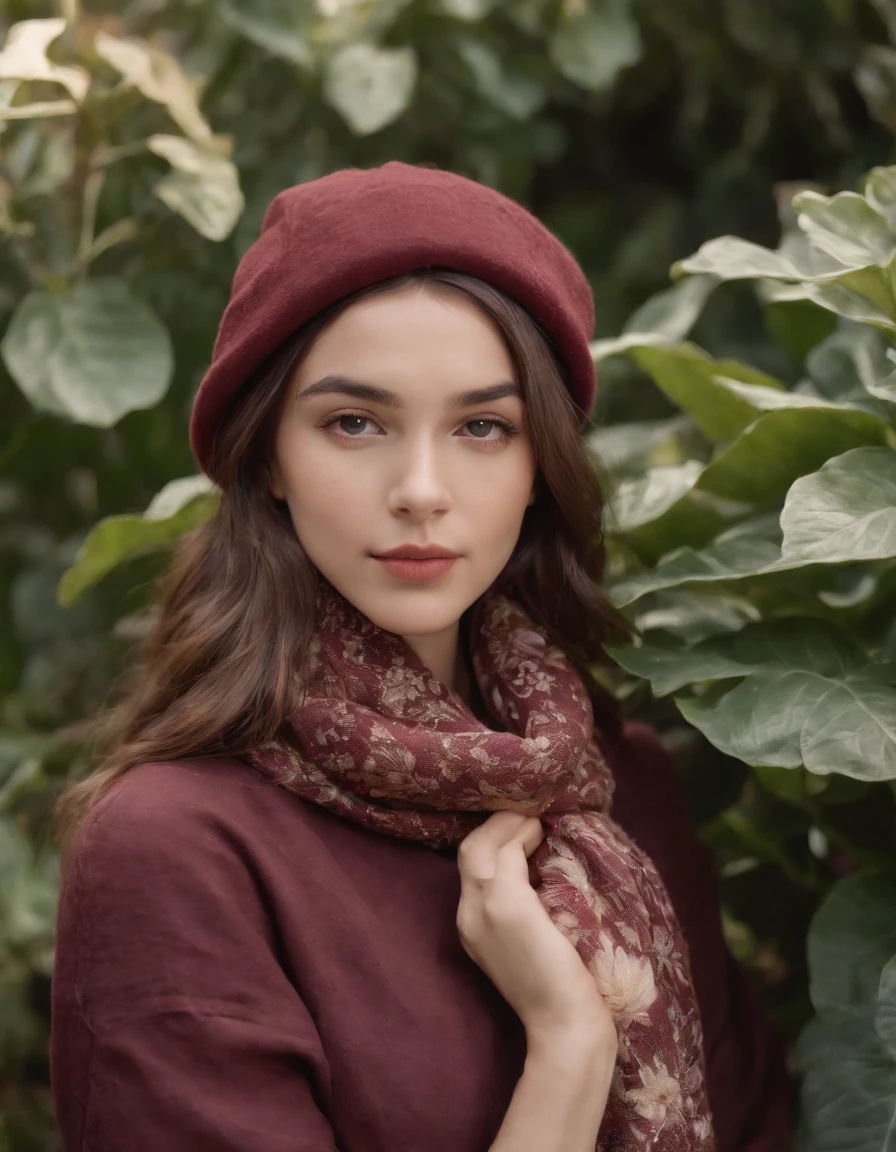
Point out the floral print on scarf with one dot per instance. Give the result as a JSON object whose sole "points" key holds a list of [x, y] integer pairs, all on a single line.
{"points": [[382, 742]]}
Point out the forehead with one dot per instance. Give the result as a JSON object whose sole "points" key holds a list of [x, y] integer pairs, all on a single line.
{"points": [[409, 332]]}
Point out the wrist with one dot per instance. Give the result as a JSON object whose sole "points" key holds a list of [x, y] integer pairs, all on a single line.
{"points": [[586, 1023], [585, 1041], [575, 1063]]}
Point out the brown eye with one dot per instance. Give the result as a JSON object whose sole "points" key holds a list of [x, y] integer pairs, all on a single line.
{"points": [[482, 427]]}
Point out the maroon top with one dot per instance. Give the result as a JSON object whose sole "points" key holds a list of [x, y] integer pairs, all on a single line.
{"points": [[240, 971]]}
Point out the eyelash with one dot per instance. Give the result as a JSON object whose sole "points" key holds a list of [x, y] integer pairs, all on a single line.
{"points": [[507, 430]]}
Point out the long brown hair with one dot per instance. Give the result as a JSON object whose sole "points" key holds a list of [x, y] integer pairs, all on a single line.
{"points": [[236, 608]]}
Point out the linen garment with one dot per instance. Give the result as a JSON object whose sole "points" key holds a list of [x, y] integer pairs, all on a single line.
{"points": [[379, 740], [238, 969]]}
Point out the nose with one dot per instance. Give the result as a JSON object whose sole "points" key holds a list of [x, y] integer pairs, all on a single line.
{"points": [[420, 488]]}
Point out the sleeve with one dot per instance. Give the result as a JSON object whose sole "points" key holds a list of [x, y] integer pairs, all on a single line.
{"points": [[750, 1091], [173, 1025]]}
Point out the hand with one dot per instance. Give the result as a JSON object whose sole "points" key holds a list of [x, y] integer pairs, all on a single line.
{"points": [[506, 930]]}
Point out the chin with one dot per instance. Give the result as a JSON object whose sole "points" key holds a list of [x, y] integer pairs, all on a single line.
{"points": [[428, 615], [413, 613]]}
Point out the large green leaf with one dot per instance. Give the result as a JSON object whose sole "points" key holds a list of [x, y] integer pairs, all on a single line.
{"points": [[844, 724], [370, 86], [623, 448], [690, 504], [204, 187], [841, 259], [861, 515], [707, 389], [847, 228], [593, 45], [853, 365], [730, 258], [647, 497], [92, 354], [694, 616], [844, 512], [745, 552], [178, 508], [822, 254], [675, 310], [852, 729], [794, 643], [785, 444], [849, 1073], [848, 1086], [836, 298], [665, 318], [660, 508], [760, 720], [657, 512]]}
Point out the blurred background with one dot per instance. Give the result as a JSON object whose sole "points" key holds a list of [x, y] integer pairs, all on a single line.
{"points": [[140, 144]]}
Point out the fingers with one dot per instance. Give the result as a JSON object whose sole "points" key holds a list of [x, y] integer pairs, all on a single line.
{"points": [[532, 834], [504, 834], [511, 867]]}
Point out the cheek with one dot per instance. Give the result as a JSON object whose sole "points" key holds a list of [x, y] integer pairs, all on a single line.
{"points": [[300, 465], [319, 491], [504, 496]]}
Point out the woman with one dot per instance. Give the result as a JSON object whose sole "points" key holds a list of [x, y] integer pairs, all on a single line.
{"points": [[298, 913]]}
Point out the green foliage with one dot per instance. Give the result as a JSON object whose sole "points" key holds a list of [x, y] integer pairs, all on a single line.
{"points": [[807, 538], [751, 470], [847, 1053], [180, 506], [840, 256], [92, 354], [591, 45]]}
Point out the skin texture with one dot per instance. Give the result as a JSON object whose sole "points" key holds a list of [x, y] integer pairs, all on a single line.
{"points": [[422, 472]]}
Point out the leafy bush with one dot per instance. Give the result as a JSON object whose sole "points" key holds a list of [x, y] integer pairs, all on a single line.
{"points": [[759, 559], [141, 144]]}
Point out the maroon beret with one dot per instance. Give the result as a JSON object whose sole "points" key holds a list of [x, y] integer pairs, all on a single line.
{"points": [[329, 237]]}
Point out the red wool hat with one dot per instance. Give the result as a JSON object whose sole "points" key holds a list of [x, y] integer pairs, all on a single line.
{"points": [[329, 237]]}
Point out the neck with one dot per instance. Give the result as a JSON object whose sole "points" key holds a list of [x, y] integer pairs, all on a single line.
{"points": [[443, 656]]}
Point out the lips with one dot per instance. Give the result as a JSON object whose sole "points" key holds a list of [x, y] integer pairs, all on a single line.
{"points": [[415, 570], [417, 552]]}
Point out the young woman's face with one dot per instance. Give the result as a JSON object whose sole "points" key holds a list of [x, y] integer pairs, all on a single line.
{"points": [[378, 447]]}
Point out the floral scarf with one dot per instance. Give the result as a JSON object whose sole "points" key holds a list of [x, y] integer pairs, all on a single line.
{"points": [[387, 745]]}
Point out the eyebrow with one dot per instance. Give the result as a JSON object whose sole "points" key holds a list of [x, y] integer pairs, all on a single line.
{"points": [[343, 385]]}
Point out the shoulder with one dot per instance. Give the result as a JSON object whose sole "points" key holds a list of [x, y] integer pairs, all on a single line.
{"points": [[166, 807], [166, 878], [179, 831], [165, 864], [201, 784]]}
